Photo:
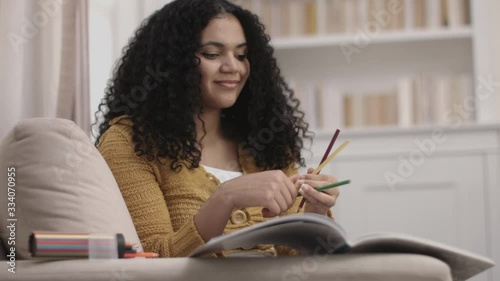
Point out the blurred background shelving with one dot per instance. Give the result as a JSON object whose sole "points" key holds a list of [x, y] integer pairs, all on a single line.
{"points": [[410, 83], [365, 63]]}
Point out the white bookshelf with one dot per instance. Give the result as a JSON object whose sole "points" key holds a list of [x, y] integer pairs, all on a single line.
{"points": [[457, 183], [381, 59]]}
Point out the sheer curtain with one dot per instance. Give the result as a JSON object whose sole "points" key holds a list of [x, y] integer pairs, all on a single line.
{"points": [[74, 96], [111, 25], [37, 64]]}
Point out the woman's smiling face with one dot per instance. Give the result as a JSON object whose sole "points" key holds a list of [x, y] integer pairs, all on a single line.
{"points": [[224, 66]]}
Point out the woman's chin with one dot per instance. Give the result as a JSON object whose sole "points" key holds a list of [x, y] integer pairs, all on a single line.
{"points": [[227, 103]]}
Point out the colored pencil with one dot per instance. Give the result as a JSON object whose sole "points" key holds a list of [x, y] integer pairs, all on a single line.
{"points": [[333, 185], [141, 255], [330, 158], [327, 151], [324, 161]]}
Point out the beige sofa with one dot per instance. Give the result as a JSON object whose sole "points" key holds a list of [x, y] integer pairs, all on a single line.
{"points": [[62, 183]]}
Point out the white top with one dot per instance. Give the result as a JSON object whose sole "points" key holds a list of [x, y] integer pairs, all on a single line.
{"points": [[222, 175]]}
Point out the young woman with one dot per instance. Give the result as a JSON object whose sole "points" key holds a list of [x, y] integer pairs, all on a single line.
{"points": [[200, 130]]}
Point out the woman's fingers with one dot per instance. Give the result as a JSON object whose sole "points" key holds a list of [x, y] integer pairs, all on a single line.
{"points": [[320, 177], [273, 209], [292, 188], [272, 190], [287, 196], [304, 190], [317, 197], [314, 184]]}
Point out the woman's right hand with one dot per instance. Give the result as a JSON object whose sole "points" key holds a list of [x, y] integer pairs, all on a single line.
{"points": [[271, 190]]}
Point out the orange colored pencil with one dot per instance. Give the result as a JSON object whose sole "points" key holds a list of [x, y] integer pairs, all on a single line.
{"points": [[140, 255]]}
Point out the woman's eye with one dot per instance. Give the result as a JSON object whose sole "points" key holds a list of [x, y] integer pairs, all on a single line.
{"points": [[210, 55], [241, 57]]}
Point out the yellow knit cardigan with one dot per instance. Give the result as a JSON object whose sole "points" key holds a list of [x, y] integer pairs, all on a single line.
{"points": [[162, 203]]}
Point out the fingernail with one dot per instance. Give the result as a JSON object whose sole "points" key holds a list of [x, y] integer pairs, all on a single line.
{"points": [[304, 187], [300, 182]]}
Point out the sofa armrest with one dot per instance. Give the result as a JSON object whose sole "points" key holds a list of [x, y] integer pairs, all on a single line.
{"points": [[373, 267]]}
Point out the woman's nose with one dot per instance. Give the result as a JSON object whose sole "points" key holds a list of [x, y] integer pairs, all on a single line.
{"points": [[229, 64]]}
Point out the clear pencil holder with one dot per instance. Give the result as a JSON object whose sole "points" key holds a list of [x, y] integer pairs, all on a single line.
{"points": [[102, 246]]}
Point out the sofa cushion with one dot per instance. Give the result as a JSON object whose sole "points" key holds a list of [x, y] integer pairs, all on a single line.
{"points": [[62, 183], [357, 267]]}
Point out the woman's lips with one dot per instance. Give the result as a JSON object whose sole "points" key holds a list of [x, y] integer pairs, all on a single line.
{"points": [[230, 84]]}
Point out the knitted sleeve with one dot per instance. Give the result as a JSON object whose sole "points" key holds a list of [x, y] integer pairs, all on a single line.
{"points": [[144, 199]]}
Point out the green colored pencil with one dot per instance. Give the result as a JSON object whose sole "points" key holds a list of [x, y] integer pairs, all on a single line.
{"points": [[333, 185]]}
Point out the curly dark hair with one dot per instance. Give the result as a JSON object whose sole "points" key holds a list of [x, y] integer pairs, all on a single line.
{"points": [[157, 84]]}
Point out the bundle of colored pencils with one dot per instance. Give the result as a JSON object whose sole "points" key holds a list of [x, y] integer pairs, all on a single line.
{"points": [[71, 245], [327, 157]]}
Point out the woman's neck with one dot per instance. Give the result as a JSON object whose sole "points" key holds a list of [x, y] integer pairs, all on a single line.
{"points": [[212, 124], [217, 151]]}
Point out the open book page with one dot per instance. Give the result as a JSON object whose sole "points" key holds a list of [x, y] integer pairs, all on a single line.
{"points": [[316, 234], [308, 233], [463, 264]]}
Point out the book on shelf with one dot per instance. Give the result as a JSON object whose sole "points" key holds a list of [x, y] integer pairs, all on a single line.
{"points": [[419, 14], [424, 99], [314, 234], [307, 94], [405, 102], [330, 107], [284, 18], [372, 109], [336, 17], [354, 110], [433, 15], [457, 13]]}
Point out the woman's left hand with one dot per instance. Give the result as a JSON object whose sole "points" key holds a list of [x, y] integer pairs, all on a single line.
{"points": [[318, 202]]}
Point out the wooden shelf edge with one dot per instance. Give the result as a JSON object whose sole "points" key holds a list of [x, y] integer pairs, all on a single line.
{"points": [[388, 130], [333, 40]]}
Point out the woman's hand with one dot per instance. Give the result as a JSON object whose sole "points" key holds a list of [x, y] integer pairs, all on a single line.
{"points": [[318, 202], [271, 190]]}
